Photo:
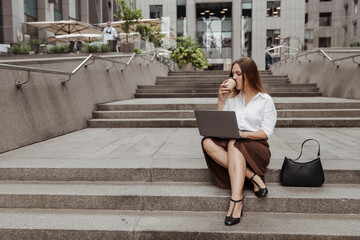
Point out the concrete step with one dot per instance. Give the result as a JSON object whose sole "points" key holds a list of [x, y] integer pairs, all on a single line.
{"points": [[212, 72], [197, 80], [121, 224], [215, 90], [191, 122], [303, 113], [216, 85], [214, 77], [192, 106], [167, 169], [181, 196], [214, 95]]}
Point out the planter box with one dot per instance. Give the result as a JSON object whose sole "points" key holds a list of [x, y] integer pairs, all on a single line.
{"points": [[187, 67], [127, 47]]}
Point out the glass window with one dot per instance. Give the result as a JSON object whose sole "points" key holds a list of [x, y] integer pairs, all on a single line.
{"points": [[309, 36], [273, 9], [324, 42], [272, 37], [58, 10], [306, 18], [213, 29], [325, 19], [30, 8], [78, 9], [346, 8], [156, 11], [355, 6], [31, 15], [246, 28], [355, 28], [181, 18]]}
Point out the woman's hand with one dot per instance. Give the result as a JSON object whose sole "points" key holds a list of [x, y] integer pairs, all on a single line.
{"points": [[258, 135], [223, 92], [244, 134]]}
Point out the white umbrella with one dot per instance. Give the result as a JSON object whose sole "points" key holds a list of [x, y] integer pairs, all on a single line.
{"points": [[66, 27]]}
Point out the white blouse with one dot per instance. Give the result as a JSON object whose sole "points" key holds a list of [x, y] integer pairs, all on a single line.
{"points": [[259, 114]]}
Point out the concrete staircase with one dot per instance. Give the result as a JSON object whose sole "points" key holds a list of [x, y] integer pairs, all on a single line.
{"points": [[165, 104], [94, 189], [126, 182], [179, 85]]}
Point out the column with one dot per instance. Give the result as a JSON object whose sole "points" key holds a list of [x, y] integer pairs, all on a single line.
{"points": [[236, 29], [191, 18]]}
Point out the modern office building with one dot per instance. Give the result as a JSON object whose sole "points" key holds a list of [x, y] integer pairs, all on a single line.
{"points": [[229, 29], [13, 13], [332, 23]]}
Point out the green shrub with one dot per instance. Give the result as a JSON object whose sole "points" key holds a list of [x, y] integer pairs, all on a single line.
{"points": [[64, 48], [20, 48], [137, 51], [36, 41], [105, 48], [90, 48]]}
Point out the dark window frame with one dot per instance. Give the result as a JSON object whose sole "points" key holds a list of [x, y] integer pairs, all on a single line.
{"points": [[274, 40], [325, 19], [157, 13], [273, 9]]}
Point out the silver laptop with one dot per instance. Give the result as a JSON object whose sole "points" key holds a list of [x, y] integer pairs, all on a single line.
{"points": [[220, 124]]}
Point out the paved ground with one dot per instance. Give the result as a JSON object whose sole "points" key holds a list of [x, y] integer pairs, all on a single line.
{"points": [[175, 148]]}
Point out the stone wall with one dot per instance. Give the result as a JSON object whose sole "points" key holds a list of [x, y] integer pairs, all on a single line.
{"points": [[44, 108], [333, 81]]}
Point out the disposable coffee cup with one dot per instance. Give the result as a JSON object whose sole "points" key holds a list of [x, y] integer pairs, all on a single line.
{"points": [[231, 83]]}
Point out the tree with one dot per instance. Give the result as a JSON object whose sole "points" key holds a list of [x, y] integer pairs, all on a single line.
{"points": [[128, 13]]}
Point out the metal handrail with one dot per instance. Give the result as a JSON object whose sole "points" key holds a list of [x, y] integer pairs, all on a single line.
{"points": [[70, 74], [321, 51]]}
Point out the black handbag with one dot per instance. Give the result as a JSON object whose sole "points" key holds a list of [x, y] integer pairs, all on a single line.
{"points": [[302, 174]]}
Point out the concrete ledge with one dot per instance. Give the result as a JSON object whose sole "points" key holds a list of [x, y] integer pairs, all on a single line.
{"points": [[44, 108], [342, 81], [100, 224]]}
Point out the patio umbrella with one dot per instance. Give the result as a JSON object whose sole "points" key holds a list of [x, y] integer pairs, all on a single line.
{"points": [[66, 27], [86, 37]]}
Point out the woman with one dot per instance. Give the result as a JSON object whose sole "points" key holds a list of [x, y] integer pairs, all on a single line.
{"points": [[231, 161]]}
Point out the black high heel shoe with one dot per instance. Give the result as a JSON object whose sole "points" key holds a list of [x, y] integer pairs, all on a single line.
{"points": [[229, 220], [262, 192]]}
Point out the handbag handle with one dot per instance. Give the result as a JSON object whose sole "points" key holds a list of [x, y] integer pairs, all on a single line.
{"points": [[303, 146]]}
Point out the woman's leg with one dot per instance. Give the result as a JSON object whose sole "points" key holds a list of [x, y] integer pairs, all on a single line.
{"points": [[237, 171], [216, 152], [220, 156], [249, 173]]}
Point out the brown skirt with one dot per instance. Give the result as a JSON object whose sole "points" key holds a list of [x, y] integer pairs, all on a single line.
{"points": [[256, 153]]}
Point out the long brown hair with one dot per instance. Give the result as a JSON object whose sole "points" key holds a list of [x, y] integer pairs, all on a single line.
{"points": [[250, 71]]}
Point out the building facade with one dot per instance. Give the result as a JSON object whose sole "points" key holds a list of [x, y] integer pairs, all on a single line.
{"points": [[15, 12], [229, 29], [332, 23]]}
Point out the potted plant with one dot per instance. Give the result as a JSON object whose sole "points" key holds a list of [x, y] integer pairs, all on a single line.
{"points": [[145, 31], [156, 36], [188, 55], [130, 14], [150, 32]]}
